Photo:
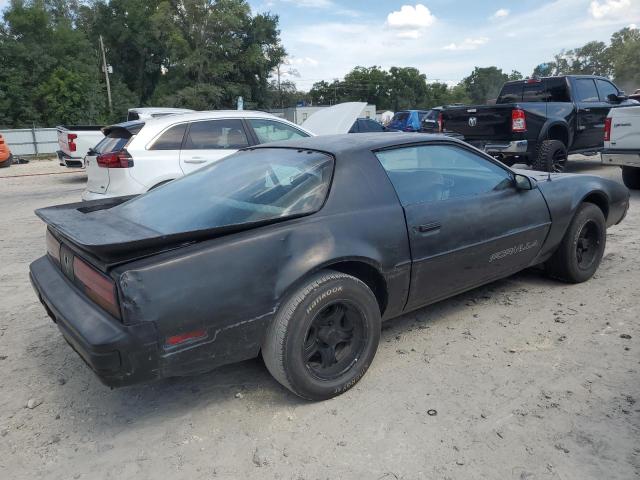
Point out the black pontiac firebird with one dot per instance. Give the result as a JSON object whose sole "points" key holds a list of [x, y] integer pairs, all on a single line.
{"points": [[298, 250]]}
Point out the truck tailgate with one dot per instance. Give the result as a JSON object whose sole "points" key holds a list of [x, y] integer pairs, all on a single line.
{"points": [[63, 141], [480, 123]]}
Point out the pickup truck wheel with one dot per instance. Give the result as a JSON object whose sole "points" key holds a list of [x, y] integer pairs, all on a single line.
{"points": [[631, 177], [324, 336], [551, 155], [580, 252]]}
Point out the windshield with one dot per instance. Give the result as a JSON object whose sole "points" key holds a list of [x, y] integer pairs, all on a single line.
{"points": [[247, 187]]}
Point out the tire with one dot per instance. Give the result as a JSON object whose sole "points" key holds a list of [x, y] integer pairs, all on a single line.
{"points": [[631, 177], [550, 155], [310, 318], [580, 252]]}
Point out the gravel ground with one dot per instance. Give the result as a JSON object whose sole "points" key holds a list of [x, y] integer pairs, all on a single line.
{"points": [[525, 378]]}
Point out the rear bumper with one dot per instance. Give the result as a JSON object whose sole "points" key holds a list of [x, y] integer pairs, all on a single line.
{"points": [[118, 354], [67, 161], [516, 147], [629, 158]]}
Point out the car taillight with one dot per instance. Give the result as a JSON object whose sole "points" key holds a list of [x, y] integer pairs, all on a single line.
{"points": [[518, 121], [440, 123], [607, 129], [99, 288], [53, 247], [70, 141], [120, 159]]}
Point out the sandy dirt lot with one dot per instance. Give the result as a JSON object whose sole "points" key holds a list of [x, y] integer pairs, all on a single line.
{"points": [[525, 379]]}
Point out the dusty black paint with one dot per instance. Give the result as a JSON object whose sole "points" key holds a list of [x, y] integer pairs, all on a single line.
{"points": [[231, 283]]}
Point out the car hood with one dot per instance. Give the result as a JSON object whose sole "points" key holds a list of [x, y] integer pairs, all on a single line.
{"points": [[334, 120]]}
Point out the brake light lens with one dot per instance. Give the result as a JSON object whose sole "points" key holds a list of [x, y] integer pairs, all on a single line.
{"points": [[53, 247], [120, 159], [98, 287], [71, 141], [518, 120], [440, 123], [607, 129]]}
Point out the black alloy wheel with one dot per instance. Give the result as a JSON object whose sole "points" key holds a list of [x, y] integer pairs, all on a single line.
{"points": [[334, 341]]}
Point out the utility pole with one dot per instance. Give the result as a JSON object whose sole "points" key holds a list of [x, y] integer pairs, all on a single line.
{"points": [[106, 73], [280, 88]]}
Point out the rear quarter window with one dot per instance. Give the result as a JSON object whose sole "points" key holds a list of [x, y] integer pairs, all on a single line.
{"points": [[170, 139]]}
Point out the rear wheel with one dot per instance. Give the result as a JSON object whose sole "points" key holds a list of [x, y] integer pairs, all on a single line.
{"points": [[551, 156], [580, 252], [631, 177], [324, 336]]}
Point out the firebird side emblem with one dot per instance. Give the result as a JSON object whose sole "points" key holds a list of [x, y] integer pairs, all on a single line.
{"points": [[473, 121], [523, 247]]}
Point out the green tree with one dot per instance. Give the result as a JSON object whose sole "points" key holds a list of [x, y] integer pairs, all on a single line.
{"points": [[47, 73], [625, 53], [485, 83]]}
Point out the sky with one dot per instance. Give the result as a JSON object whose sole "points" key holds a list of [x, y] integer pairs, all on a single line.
{"points": [[444, 39]]}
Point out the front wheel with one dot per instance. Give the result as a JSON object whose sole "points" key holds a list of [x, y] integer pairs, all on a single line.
{"points": [[324, 336], [631, 177], [580, 252]]}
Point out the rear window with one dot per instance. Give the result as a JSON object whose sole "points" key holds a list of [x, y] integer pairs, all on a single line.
{"points": [[113, 142], [534, 92], [510, 93], [247, 187]]}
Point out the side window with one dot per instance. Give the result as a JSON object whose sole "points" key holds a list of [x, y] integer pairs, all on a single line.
{"points": [[557, 90], [216, 135], [171, 139], [273, 131], [586, 90], [605, 89], [431, 173]]}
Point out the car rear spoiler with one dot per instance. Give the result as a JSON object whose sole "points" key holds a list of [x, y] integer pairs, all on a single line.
{"points": [[125, 129], [107, 239]]}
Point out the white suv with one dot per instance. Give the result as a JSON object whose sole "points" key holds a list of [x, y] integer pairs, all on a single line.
{"points": [[137, 156]]}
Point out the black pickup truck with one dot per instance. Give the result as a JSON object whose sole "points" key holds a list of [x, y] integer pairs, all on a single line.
{"points": [[540, 121]]}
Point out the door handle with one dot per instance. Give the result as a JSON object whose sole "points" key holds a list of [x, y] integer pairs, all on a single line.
{"points": [[195, 160], [428, 227]]}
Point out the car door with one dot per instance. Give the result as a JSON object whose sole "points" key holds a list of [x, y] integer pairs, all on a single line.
{"points": [[208, 141], [467, 222], [591, 114]]}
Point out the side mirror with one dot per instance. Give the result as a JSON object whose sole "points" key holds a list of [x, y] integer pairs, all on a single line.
{"points": [[613, 98], [523, 182]]}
